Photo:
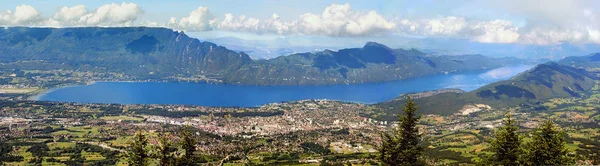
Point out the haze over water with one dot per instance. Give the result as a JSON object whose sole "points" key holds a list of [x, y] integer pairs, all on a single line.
{"points": [[250, 96]]}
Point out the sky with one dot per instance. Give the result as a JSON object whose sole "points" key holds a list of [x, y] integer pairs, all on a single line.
{"points": [[531, 22]]}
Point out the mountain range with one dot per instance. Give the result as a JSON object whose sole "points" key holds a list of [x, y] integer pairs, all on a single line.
{"points": [[270, 46], [590, 62], [543, 82], [158, 53]]}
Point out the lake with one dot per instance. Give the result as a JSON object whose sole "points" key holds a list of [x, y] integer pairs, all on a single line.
{"points": [[250, 96]]}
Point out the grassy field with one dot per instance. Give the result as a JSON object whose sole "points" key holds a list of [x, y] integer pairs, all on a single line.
{"points": [[80, 131], [60, 145], [121, 141], [18, 90]]}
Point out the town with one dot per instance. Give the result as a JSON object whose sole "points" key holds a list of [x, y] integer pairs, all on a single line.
{"points": [[345, 129]]}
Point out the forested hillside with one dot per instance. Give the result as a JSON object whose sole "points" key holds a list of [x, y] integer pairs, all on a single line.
{"points": [[158, 53]]}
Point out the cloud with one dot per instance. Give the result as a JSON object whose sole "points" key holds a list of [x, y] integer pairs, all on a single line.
{"points": [[147, 23], [69, 15], [341, 20], [23, 15], [496, 31], [548, 24], [198, 20], [106, 15], [241, 23], [565, 14], [336, 20], [445, 26], [275, 25], [594, 36], [113, 14], [553, 36], [552, 22]]}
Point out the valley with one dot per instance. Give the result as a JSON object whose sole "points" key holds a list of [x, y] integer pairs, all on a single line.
{"points": [[279, 131], [456, 123]]}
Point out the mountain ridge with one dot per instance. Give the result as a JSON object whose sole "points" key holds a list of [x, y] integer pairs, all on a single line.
{"points": [[159, 53], [545, 81]]}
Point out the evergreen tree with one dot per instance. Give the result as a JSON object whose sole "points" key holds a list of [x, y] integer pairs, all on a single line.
{"points": [[138, 154], [401, 147], [165, 150], [188, 144], [547, 146], [505, 145]]}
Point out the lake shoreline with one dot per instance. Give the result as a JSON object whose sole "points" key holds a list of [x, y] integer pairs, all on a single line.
{"points": [[35, 96], [237, 95]]}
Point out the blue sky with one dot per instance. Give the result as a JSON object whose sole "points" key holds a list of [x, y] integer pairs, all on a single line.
{"points": [[538, 22], [163, 10]]}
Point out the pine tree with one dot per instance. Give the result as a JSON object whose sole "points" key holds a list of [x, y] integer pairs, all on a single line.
{"points": [[505, 145], [165, 150], [138, 154], [188, 144], [401, 147], [547, 146]]}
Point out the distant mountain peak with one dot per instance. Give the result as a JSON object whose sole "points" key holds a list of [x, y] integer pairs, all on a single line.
{"points": [[375, 44], [547, 65], [595, 57]]}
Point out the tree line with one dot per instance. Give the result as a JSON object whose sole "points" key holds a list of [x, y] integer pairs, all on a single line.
{"points": [[166, 151]]}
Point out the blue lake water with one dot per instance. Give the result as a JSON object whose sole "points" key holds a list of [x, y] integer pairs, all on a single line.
{"points": [[250, 96]]}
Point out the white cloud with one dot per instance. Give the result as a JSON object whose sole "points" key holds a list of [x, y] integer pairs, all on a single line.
{"points": [[275, 25], [198, 20], [70, 15], [565, 14], [564, 21], [23, 15], [336, 20], [594, 36], [497, 31], [106, 15], [113, 14], [341, 20], [148, 23], [553, 36], [445, 26], [240, 23], [551, 23]]}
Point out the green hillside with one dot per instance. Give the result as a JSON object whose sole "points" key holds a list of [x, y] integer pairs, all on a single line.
{"points": [[160, 53], [141, 52], [591, 61], [543, 82]]}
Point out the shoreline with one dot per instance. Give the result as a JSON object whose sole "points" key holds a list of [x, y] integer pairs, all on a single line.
{"points": [[35, 96], [481, 71]]}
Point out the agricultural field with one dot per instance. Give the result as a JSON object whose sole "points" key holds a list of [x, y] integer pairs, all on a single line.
{"points": [[18, 90]]}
